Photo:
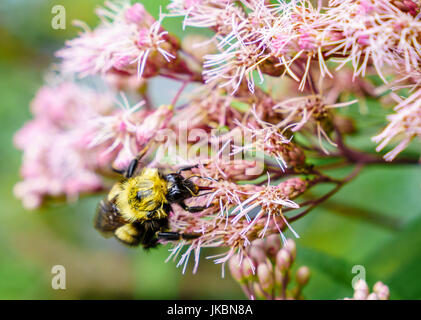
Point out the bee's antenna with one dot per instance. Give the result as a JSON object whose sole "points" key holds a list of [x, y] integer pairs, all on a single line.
{"points": [[203, 194]]}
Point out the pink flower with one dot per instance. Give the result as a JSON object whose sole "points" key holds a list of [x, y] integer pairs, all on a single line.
{"points": [[116, 132], [269, 203], [302, 110], [404, 125], [280, 44], [306, 42], [153, 123], [136, 14], [267, 138], [56, 159], [128, 130], [127, 37]]}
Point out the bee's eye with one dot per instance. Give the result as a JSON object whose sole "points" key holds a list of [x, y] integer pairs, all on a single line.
{"points": [[139, 196]]}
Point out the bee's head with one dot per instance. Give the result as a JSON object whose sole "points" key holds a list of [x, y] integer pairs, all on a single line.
{"points": [[190, 187], [193, 188]]}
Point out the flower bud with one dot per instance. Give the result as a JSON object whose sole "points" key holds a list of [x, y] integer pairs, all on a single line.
{"points": [[302, 276], [235, 268], [154, 122], [381, 290], [293, 155], [372, 296], [247, 269], [279, 277], [265, 276], [257, 254], [360, 290], [258, 243], [409, 6], [293, 187], [283, 260], [272, 245], [291, 248], [258, 290]]}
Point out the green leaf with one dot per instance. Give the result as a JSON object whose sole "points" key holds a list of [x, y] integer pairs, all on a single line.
{"points": [[240, 106], [331, 276], [397, 262]]}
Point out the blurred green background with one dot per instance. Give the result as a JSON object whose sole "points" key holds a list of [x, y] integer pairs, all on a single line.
{"points": [[334, 238]]}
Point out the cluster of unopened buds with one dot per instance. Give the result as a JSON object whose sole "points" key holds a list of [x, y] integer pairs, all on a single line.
{"points": [[265, 271], [362, 291], [257, 107]]}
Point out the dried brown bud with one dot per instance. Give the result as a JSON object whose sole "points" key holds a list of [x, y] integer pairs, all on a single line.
{"points": [[410, 6], [293, 187], [293, 155]]}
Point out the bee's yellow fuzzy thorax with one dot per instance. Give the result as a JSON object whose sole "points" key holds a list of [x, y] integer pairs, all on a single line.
{"points": [[153, 189]]}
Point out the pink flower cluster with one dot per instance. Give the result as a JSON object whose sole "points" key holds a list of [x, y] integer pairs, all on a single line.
{"points": [[270, 80], [362, 291], [288, 38], [126, 39], [77, 136], [265, 271], [56, 160]]}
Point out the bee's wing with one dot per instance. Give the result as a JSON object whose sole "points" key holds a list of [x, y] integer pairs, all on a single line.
{"points": [[107, 218]]}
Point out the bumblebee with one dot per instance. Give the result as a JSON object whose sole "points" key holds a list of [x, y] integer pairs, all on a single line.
{"points": [[137, 208]]}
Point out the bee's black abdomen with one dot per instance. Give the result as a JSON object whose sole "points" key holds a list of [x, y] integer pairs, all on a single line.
{"points": [[153, 243]]}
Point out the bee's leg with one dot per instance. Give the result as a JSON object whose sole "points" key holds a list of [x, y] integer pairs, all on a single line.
{"points": [[132, 167], [169, 236], [128, 173], [187, 168], [175, 236], [194, 208], [150, 230]]}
